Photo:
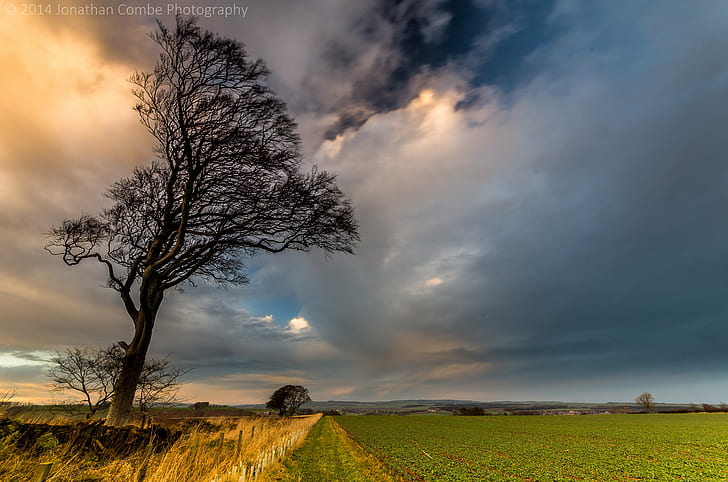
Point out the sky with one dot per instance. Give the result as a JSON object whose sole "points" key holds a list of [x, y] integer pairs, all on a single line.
{"points": [[540, 188]]}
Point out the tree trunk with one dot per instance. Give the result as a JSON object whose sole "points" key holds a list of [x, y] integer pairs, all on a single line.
{"points": [[133, 363], [121, 404]]}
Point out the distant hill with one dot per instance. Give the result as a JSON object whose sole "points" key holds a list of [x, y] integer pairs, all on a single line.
{"points": [[435, 406]]}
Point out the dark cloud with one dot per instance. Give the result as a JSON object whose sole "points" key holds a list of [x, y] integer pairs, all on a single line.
{"points": [[553, 233], [596, 249]]}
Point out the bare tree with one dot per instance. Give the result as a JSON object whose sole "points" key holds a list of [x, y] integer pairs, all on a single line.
{"points": [[647, 401], [288, 398], [227, 184], [93, 373], [90, 372]]}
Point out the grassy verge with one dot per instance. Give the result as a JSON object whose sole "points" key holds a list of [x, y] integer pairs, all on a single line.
{"points": [[213, 450], [328, 454]]}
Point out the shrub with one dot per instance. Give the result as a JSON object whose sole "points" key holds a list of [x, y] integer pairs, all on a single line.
{"points": [[47, 442]]}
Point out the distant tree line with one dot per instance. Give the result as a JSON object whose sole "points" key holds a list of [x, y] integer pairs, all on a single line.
{"points": [[707, 407], [470, 411]]}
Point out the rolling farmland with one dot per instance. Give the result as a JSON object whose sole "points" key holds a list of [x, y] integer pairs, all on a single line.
{"points": [[415, 447], [601, 447]]}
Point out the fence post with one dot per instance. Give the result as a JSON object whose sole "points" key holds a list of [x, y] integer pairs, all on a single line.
{"points": [[220, 446], [239, 445], [42, 472]]}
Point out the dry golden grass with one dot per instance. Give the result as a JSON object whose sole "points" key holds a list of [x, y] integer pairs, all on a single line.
{"points": [[249, 446], [218, 450]]}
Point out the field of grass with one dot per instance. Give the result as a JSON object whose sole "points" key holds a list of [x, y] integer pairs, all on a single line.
{"points": [[328, 455], [383, 448], [212, 450], [590, 447]]}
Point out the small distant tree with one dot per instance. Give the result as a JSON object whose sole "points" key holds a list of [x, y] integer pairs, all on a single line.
{"points": [[93, 373], [647, 401], [288, 398]]}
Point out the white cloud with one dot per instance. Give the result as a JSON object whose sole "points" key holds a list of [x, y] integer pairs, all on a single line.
{"points": [[298, 325], [17, 359], [432, 282]]}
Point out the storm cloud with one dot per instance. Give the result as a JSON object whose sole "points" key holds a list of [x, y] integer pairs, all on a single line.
{"points": [[541, 202]]}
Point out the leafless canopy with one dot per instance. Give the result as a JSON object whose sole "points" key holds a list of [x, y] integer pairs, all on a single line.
{"points": [[90, 372], [159, 383], [93, 372], [647, 401], [227, 182]]}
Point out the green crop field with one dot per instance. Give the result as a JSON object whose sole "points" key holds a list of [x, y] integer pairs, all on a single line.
{"points": [[586, 447]]}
